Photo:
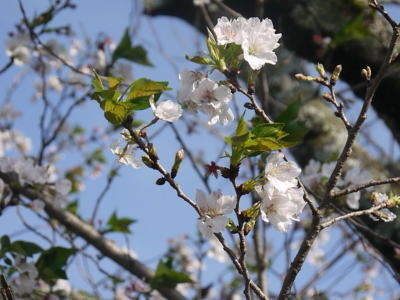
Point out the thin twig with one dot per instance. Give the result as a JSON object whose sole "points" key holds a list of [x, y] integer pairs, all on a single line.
{"points": [[354, 214], [359, 187], [7, 66]]}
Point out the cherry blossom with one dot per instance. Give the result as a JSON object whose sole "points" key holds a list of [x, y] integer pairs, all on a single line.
{"points": [[213, 208], [17, 47], [281, 174], [126, 155], [257, 39], [212, 99], [280, 207], [167, 110]]}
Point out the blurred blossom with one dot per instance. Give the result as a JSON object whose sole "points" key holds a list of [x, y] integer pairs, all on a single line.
{"points": [[17, 47]]}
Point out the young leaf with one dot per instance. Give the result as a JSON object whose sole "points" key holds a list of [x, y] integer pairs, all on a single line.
{"points": [[141, 90], [166, 277], [201, 60], [116, 224], [52, 262], [24, 248], [125, 50], [290, 113], [116, 112]]}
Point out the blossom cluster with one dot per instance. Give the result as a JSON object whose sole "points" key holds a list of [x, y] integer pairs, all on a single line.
{"points": [[281, 199], [257, 39], [29, 172], [199, 93]]}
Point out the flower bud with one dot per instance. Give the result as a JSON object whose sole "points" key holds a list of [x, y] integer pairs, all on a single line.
{"points": [[152, 151], [327, 97], [335, 74], [321, 70], [300, 76], [148, 162], [366, 73], [180, 154]]}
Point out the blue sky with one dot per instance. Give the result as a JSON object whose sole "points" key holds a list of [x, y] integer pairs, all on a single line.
{"points": [[160, 213]]}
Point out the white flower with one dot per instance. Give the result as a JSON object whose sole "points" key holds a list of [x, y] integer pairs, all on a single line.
{"points": [[280, 207], [126, 155], [63, 286], [281, 174], [76, 47], [257, 39], [26, 280], [54, 83], [167, 110], [230, 31], [17, 47], [188, 80], [200, 2], [353, 200], [63, 186], [212, 210], [259, 43], [28, 172], [212, 100]]}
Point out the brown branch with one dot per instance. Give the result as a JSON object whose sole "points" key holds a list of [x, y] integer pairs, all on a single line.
{"points": [[299, 259], [353, 133]]}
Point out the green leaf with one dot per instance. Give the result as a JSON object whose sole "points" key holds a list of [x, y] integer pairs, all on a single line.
{"points": [[116, 112], [290, 113], [24, 248], [354, 29], [141, 90], [44, 17], [72, 207], [4, 244], [146, 87], [97, 82], [116, 224], [241, 126], [166, 277], [125, 50], [201, 60], [52, 262], [269, 130], [114, 82], [230, 53], [263, 144]]}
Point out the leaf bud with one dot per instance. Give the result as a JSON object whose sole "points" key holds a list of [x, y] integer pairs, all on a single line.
{"points": [[160, 181], [249, 105]]}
